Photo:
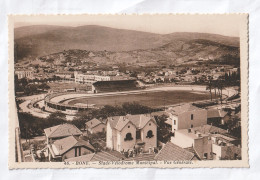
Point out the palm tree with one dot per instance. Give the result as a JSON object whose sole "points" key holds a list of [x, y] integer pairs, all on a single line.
{"points": [[209, 86]]}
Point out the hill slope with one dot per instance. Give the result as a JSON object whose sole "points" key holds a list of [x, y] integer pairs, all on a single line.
{"points": [[121, 45]]}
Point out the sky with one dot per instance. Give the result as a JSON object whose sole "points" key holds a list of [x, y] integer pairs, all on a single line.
{"points": [[227, 25]]}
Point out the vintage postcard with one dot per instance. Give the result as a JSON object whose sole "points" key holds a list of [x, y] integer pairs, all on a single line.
{"points": [[128, 91]]}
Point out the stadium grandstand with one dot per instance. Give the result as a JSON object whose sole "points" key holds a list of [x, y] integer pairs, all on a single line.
{"points": [[113, 86]]}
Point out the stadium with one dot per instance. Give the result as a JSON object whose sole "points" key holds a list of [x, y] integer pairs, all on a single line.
{"points": [[118, 92]]}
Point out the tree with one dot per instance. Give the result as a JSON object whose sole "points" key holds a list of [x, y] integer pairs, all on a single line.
{"points": [[209, 86], [163, 132], [57, 117]]}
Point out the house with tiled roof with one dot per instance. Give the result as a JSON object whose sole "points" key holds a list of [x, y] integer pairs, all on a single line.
{"points": [[187, 116], [172, 152], [99, 156], [216, 116], [61, 131], [131, 131], [95, 125], [69, 147]]}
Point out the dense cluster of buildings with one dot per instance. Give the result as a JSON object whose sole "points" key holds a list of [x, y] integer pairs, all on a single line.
{"points": [[135, 137]]}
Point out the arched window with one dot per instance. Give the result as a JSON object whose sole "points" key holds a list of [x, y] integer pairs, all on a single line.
{"points": [[128, 137], [149, 134]]}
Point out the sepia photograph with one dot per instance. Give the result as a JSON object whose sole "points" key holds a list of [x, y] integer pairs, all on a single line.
{"points": [[109, 91]]}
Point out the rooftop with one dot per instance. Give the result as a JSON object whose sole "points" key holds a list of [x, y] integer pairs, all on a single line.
{"points": [[177, 110], [99, 156], [139, 121], [62, 130], [214, 113], [173, 152], [93, 123], [61, 146]]}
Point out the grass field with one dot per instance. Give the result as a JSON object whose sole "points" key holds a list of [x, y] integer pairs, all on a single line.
{"points": [[151, 99]]}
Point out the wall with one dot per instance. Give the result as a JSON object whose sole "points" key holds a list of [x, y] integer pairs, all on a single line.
{"points": [[98, 128], [149, 142], [199, 118], [225, 151], [109, 136], [129, 128], [182, 140], [71, 153]]}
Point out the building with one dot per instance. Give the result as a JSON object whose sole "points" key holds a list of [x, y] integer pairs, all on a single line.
{"points": [[95, 126], [216, 116], [172, 152], [24, 74], [131, 131], [69, 147], [61, 131], [209, 142], [113, 86], [89, 78], [187, 116], [99, 156]]}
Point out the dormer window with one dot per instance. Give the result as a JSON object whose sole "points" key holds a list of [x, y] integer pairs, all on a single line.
{"points": [[128, 137], [149, 134]]}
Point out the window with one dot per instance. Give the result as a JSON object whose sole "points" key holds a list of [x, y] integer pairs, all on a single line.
{"points": [[191, 116], [128, 137], [149, 134], [205, 156], [191, 126], [128, 126], [138, 134], [174, 122]]}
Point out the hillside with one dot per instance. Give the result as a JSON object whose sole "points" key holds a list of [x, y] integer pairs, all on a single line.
{"points": [[109, 45]]}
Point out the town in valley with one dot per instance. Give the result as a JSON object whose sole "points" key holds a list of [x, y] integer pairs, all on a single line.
{"points": [[93, 93]]}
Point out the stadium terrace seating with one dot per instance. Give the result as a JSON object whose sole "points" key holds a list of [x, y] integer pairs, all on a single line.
{"points": [[112, 86]]}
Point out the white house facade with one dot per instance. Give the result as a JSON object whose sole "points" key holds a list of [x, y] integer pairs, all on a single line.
{"points": [[131, 131]]}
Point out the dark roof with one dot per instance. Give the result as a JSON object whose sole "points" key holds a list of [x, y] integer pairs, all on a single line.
{"points": [[100, 156], [61, 146], [139, 121], [173, 152], [62, 130], [101, 83]]}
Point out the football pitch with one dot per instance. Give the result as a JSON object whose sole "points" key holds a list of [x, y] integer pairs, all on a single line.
{"points": [[151, 99]]}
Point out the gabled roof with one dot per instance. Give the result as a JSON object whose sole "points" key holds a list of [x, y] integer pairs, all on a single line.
{"points": [[139, 121], [215, 113], [181, 109], [93, 123], [62, 130], [100, 156], [61, 146], [173, 152]]}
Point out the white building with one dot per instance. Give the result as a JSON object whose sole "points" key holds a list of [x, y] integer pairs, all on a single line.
{"points": [[209, 142], [24, 74], [187, 116], [131, 131], [89, 78]]}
